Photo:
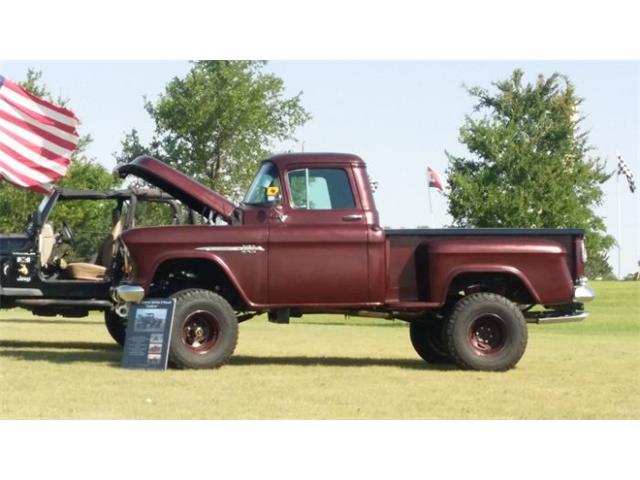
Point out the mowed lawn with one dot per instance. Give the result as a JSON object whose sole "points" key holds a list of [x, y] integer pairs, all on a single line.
{"points": [[323, 367]]}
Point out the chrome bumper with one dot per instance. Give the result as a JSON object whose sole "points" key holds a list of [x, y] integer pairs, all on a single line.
{"points": [[552, 317], [583, 293], [128, 293]]}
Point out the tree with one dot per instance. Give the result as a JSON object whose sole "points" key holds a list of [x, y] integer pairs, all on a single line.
{"points": [[218, 122], [87, 220], [530, 164]]}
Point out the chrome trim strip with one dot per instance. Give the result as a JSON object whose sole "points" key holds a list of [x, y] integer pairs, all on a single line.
{"points": [[234, 248], [27, 292]]}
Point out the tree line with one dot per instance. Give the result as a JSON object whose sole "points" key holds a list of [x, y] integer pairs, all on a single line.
{"points": [[528, 163]]}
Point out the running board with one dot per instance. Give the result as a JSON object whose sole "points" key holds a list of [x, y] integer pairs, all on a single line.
{"points": [[49, 302], [553, 317]]}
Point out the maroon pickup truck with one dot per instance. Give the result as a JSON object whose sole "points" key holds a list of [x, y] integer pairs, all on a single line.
{"points": [[307, 239]]}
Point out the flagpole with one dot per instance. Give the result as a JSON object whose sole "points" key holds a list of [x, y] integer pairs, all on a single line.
{"points": [[430, 208], [619, 239]]}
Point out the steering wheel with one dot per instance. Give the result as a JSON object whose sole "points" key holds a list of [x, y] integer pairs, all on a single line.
{"points": [[67, 234]]}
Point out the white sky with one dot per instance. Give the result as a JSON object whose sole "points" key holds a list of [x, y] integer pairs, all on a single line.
{"points": [[398, 116]]}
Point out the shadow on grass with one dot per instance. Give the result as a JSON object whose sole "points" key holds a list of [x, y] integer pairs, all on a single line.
{"points": [[52, 321], [110, 353], [247, 360], [57, 356], [61, 352], [59, 345]]}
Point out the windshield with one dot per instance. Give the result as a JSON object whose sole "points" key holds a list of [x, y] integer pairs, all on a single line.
{"points": [[43, 205], [267, 177]]}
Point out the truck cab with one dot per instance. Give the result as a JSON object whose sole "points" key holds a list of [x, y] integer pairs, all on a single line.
{"points": [[330, 195]]}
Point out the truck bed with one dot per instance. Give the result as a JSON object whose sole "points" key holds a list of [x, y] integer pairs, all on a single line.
{"points": [[418, 266]]}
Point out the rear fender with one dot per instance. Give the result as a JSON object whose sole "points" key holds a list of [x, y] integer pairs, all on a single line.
{"points": [[489, 270]]}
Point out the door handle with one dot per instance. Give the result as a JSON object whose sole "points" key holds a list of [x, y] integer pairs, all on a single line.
{"points": [[351, 218]]}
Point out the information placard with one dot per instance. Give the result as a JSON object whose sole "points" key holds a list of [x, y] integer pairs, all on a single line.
{"points": [[148, 334]]}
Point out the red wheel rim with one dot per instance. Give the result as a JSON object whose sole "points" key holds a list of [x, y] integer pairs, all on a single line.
{"points": [[200, 331], [487, 334]]}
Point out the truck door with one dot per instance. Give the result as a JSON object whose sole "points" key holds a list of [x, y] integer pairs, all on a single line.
{"points": [[318, 240]]}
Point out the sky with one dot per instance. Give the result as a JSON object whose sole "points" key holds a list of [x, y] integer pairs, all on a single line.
{"points": [[398, 116]]}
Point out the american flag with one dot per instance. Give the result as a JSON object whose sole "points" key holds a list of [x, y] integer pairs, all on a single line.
{"points": [[623, 169], [434, 179], [37, 138]]}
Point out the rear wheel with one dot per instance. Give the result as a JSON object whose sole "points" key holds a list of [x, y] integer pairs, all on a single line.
{"points": [[116, 326], [427, 339], [486, 332], [204, 332]]}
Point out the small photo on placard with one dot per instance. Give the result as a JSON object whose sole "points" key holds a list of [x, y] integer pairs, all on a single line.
{"points": [[148, 334]]}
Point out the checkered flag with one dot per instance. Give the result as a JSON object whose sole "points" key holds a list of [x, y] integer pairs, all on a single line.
{"points": [[623, 169]]}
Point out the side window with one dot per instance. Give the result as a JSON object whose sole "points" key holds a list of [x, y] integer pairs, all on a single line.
{"points": [[320, 189]]}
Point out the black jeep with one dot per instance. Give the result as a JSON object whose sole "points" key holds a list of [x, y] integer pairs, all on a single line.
{"points": [[60, 267]]}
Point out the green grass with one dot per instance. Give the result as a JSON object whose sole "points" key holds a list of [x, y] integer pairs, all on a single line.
{"points": [[327, 367]]}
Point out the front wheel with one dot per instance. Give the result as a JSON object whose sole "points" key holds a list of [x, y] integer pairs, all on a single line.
{"points": [[116, 326], [486, 332], [204, 332]]}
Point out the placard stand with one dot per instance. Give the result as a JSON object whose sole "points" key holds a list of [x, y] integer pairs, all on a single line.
{"points": [[148, 334]]}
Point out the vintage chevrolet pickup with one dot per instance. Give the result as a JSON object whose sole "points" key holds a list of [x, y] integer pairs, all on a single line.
{"points": [[307, 239]]}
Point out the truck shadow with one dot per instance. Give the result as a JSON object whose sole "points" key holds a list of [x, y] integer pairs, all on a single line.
{"points": [[61, 352], [245, 360], [111, 354], [52, 321]]}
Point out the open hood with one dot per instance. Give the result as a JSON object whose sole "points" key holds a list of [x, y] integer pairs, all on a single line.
{"points": [[193, 194]]}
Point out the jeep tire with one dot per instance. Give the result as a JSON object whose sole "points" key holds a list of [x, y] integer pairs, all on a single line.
{"points": [[116, 326]]}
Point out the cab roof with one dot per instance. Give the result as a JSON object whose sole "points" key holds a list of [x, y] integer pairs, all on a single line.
{"points": [[283, 160]]}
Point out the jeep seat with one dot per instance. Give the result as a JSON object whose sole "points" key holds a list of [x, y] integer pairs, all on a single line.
{"points": [[97, 271], [46, 242], [85, 271]]}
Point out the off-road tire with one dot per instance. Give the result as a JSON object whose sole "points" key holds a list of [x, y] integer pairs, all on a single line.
{"points": [[116, 326], [427, 338], [486, 331], [192, 306]]}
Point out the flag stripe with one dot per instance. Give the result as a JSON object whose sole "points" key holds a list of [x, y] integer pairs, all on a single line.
{"points": [[17, 111], [37, 138], [36, 135], [32, 141], [29, 150], [23, 169], [19, 178], [45, 166], [39, 105], [12, 178]]}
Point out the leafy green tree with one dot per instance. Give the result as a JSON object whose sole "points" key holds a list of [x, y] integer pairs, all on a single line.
{"points": [[530, 164], [218, 122], [87, 219]]}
